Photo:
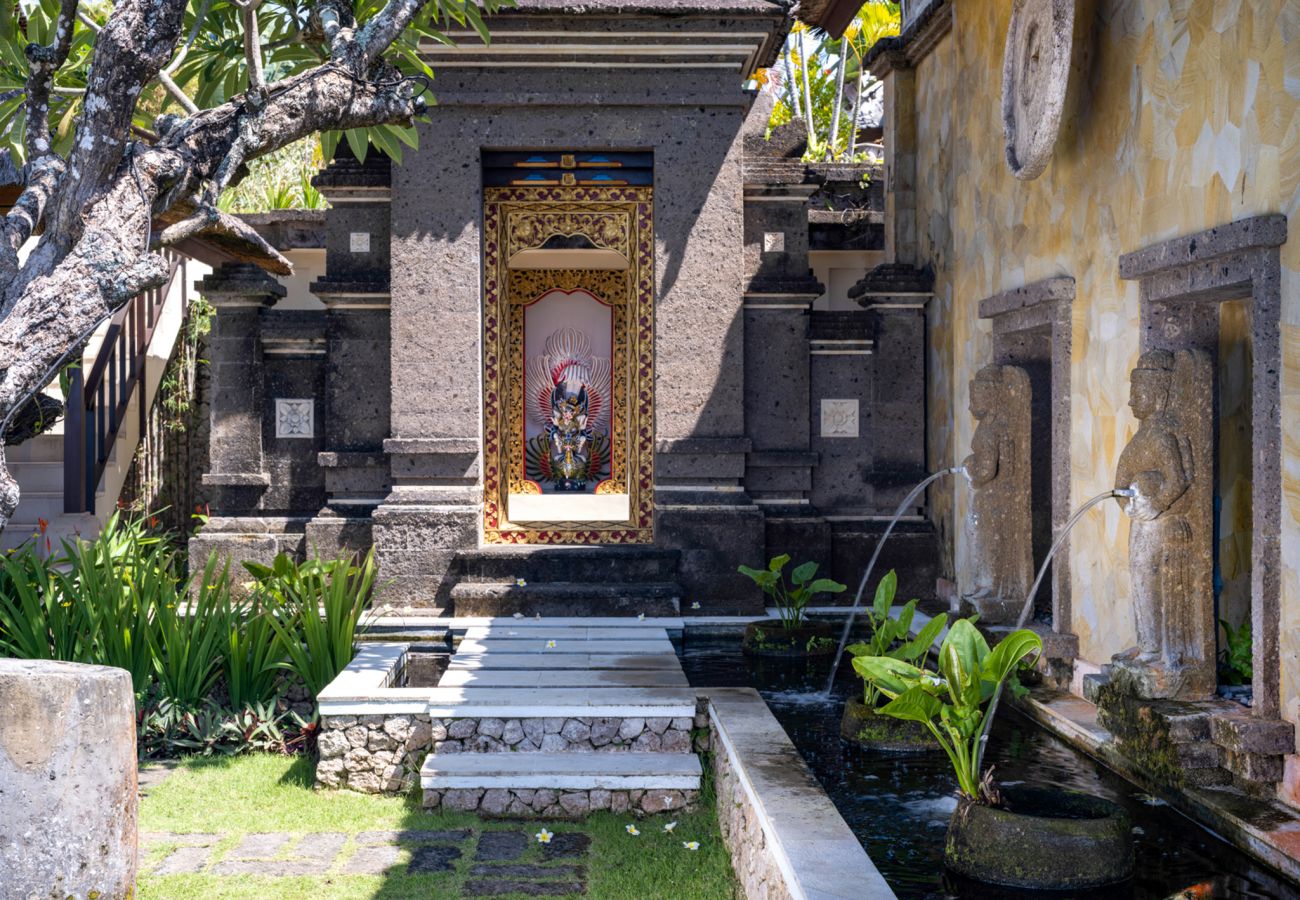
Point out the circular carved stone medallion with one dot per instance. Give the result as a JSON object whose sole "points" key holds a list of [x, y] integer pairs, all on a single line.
{"points": [[1035, 72]]}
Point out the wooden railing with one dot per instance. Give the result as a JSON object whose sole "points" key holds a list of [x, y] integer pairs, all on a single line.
{"points": [[98, 396]]}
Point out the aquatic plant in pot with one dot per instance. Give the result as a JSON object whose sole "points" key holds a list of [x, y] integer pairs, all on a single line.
{"points": [[791, 633], [1016, 836], [891, 637]]}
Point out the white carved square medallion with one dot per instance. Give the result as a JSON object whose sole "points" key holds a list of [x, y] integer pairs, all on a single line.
{"points": [[774, 242], [294, 418], [839, 418], [359, 241]]}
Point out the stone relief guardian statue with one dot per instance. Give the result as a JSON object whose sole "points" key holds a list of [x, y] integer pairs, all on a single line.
{"points": [[1167, 467], [999, 525]]}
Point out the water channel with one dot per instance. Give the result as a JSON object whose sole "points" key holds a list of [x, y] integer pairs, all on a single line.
{"points": [[898, 806]]}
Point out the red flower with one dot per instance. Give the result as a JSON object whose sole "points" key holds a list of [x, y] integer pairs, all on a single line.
{"points": [[42, 524], [153, 521]]}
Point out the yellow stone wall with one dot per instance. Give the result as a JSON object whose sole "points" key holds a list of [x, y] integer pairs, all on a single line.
{"points": [[1183, 114]]}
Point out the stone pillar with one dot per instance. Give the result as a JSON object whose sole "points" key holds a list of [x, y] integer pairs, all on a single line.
{"points": [[237, 476], [68, 779], [900, 156], [358, 390], [896, 296]]}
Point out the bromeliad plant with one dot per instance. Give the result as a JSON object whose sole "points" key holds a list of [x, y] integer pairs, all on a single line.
{"points": [[890, 636], [952, 701], [791, 601]]}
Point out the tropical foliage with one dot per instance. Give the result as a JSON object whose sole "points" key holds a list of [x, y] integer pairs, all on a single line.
{"points": [[207, 662], [1237, 657], [891, 636], [210, 66], [822, 81], [791, 600], [951, 701]]}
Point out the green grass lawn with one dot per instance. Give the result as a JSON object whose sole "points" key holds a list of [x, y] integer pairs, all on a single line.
{"points": [[262, 793]]}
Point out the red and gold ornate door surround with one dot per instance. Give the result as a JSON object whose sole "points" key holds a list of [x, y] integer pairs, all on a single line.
{"points": [[568, 364]]}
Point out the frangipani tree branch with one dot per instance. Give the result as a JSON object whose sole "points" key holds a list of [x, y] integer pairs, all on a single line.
{"points": [[98, 249]]}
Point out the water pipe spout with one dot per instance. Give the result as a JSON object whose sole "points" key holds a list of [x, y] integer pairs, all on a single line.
{"points": [[871, 565]]}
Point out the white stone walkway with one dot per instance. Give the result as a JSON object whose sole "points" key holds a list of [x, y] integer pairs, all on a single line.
{"points": [[610, 676]]}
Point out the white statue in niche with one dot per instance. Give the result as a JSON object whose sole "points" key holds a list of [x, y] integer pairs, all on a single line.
{"points": [[567, 395]]}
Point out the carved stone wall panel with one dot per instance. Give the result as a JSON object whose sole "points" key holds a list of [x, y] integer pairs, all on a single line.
{"points": [[1035, 74]]}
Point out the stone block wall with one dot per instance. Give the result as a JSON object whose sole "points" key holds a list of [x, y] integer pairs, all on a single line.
{"points": [[375, 754], [549, 804]]}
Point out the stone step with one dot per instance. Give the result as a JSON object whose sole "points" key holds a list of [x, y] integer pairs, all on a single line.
{"points": [[566, 598], [556, 702], [576, 678], [558, 646], [600, 565], [555, 661], [502, 632], [561, 771], [40, 475]]}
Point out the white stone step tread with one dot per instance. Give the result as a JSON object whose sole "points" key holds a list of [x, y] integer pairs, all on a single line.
{"points": [[517, 703], [561, 645], [565, 633], [584, 678], [627, 661], [573, 771]]}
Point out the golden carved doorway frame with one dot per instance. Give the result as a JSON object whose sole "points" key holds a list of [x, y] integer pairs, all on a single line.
{"points": [[521, 219]]}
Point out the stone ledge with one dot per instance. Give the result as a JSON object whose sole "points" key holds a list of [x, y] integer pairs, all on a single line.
{"points": [[1049, 290], [785, 836], [1245, 734], [1264, 829], [1235, 237]]}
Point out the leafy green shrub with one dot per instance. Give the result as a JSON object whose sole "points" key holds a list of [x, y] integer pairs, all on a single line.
{"points": [[1237, 658], [253, 652], [890, 636], [950, 702], [187, 643], [207, 668], [210, 729], [315, 610], [36, 622], [791, 601]]}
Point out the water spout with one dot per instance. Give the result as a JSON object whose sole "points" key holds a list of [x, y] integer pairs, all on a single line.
{"points": [[1033, 591], [871, 564]]}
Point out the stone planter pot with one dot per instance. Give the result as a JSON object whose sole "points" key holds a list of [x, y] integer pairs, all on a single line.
{"points": [[1044, 839], [768, 638], [862, 725]]}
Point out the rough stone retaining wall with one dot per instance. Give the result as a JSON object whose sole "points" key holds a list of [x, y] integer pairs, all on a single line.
{"points": [[383, 753], [562, 804], [751, 859]]}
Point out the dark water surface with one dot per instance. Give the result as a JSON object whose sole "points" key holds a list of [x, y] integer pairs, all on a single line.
{"points": [[898, 806]]}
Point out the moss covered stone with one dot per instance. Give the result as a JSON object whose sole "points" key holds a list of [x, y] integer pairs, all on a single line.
{"points": [[1043, 839], [770, 638], [863, 725]]}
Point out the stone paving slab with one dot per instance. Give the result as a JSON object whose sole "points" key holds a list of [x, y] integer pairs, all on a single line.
{"points": [[558, 646], [540, 632], [498, 886], [584, 678], [497, 867], [531, 661]]}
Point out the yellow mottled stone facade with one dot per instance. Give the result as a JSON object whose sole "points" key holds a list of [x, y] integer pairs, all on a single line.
{"points": [[1182, 115]]}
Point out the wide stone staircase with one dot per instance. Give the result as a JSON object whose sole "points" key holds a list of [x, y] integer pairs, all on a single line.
{"points": [[567, 581], [560, 717]]}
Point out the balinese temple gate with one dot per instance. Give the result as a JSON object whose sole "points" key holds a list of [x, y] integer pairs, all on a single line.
{"points": [[569, 356]]}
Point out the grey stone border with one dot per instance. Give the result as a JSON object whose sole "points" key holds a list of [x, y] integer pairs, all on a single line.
{"points": [[1045, 305], [785, 836], [1181, 282]]}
